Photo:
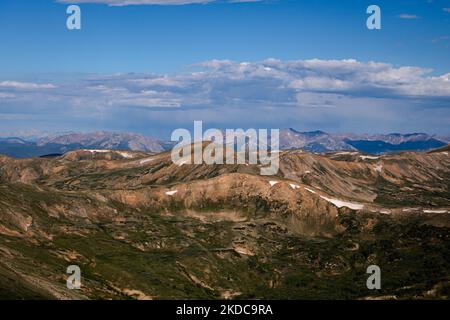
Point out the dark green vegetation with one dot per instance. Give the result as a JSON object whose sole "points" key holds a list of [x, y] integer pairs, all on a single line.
{"points": [[181, 257]]}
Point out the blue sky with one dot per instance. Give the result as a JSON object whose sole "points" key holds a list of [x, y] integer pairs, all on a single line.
{"points": [[275, 63]]}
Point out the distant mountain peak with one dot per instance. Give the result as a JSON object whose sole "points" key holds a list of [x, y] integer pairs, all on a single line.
{"points": [[290, 138], [315, 132], [106, 140], [320, 141], [60, 144]]}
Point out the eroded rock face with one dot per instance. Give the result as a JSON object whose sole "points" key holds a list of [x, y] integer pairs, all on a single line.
{"points": [[142, 227]]}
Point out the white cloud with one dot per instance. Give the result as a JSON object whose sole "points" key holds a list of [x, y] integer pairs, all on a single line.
{"points": [[338, 76], [25, 85], [248, 85]]}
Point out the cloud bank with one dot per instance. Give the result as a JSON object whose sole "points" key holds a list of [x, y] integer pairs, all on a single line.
{"points": [[24, 85], [273, 91], [271, 82]]}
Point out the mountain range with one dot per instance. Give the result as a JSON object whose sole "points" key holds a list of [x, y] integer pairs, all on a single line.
{"points": [[314, 141], [321, 142], [141, 227], [60, 144]]}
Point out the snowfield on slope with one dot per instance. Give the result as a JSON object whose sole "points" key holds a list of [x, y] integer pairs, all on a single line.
{"points": [[98, 151], [340, 203], [310, 190], [369, 158], [435, 211], [126, 155]]}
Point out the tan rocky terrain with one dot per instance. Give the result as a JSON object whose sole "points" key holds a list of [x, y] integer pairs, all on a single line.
{"points": [[140, 226]]}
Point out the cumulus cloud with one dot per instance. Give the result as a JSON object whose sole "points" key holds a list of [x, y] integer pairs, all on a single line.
{"points": [[316, 93], [120, 3], [268, 83], [350, 77]]}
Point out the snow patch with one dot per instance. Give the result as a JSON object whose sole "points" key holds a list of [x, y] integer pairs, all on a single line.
{"points": [[126, 155], [294, 186], [272, 183], [171, 193], [435, 211], [98, 151], [379, 168], [369, 157], [409, 209], [340, 203], [310, 190]]}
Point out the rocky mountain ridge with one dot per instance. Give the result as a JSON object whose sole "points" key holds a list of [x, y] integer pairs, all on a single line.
{"points": [[141, 227], [314, 141]]}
